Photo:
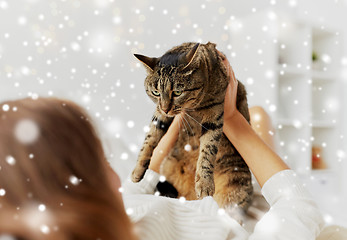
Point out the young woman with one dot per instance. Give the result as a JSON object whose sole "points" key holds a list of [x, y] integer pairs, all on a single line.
{"points": [[55, 183]]}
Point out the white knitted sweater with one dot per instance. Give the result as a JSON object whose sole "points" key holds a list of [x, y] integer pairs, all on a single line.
{"points": [[293, 213]]}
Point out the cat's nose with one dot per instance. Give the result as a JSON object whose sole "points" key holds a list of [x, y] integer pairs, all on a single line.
{"points": [[165, 106], [165, 110]]}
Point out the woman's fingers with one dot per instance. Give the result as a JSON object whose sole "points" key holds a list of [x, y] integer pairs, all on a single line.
{"points": [[231, 92]]}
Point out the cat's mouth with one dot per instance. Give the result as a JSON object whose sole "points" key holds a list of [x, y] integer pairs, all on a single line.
{"points": [[172, 112]]}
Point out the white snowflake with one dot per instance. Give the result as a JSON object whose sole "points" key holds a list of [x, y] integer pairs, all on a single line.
{"points": [[74, 180], [42, 207], [10, 160], [2, 192], [45, 229], [5, 107], [188, 147]]}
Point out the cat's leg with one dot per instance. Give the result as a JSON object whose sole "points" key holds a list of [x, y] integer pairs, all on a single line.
{"points": [[209, 142], [233, 180], [158, 128]]}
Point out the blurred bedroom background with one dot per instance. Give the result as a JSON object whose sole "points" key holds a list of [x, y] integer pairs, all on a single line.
{"points": [[290, 54]]}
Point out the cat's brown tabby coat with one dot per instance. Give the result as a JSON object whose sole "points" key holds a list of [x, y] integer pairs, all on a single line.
{"points": [[192, 79]]}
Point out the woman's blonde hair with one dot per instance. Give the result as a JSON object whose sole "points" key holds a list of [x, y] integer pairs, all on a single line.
{"points": [[53, 181]]}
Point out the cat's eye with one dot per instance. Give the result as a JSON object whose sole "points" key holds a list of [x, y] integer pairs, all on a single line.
{"points": [[155, 93], [177, 93]]}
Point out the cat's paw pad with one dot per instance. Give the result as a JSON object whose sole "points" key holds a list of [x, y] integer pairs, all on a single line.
{"points": [[204, 186]]}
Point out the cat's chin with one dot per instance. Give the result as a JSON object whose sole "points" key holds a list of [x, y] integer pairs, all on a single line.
{"points": [[169, 114]]}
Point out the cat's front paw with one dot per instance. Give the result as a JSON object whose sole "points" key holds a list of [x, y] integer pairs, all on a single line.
{"points": [[204, 186], [137, 174]]}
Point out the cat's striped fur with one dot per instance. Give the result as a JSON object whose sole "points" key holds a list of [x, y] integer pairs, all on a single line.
{"points": [[192, 79]]}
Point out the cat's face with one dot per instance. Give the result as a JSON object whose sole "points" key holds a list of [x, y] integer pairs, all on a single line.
{"points": [[173, 90], [173, 82]]}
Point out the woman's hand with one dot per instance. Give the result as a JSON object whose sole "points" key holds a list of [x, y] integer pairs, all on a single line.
{"points": [[231, 92], [165, 145], [246, 141]]}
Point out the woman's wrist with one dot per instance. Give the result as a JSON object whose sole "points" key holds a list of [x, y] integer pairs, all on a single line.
{"points": [[252, 148], [165, 145], [232, 124], [157, 157]]}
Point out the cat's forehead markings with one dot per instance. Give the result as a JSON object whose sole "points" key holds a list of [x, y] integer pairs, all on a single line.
{"points": [[166, 71], [172, 70], [165, 83], [160, 82]]}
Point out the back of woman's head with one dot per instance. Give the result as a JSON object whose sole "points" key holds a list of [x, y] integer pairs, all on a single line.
{"points": [[52, 174]]}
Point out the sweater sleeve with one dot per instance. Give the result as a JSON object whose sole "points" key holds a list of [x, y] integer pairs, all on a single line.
{"points": [[293, 213], [146, 186]]}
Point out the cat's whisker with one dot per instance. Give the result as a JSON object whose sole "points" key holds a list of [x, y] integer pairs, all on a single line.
{"points": [[189, 126], [179, 126], [181, 122], [196, 121], [183, 119], [187, 123], [185, 128]]}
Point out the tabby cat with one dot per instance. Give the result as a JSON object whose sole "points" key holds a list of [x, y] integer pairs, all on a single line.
{"points": [[191, 80]]}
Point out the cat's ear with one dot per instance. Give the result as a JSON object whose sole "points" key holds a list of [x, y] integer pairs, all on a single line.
{"points": [[147, 61], [187, 59], [213, 45]]}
